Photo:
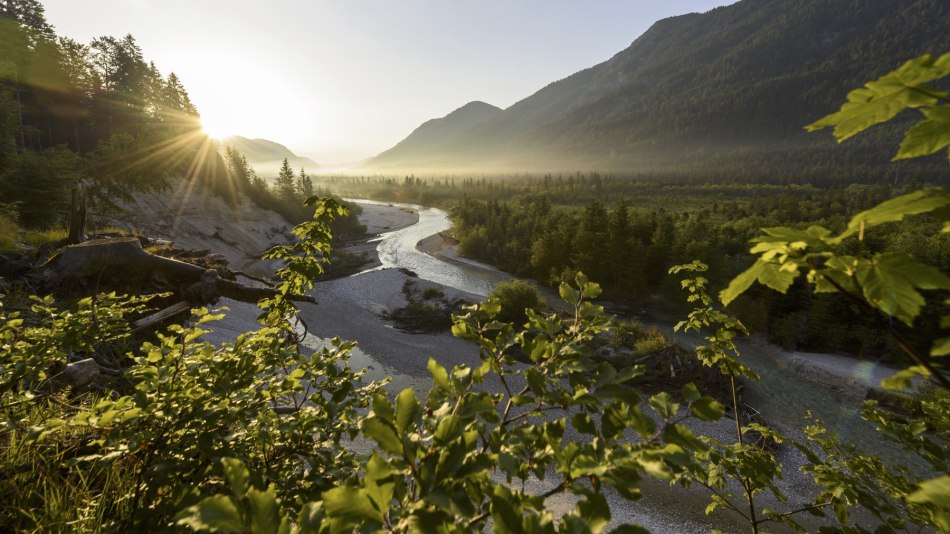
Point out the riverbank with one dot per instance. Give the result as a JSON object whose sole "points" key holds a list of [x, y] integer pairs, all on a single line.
{"points": [[354, 308]]}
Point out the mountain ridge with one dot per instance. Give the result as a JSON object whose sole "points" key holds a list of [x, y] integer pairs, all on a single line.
{"points": [[266, 156], [735, 83]]}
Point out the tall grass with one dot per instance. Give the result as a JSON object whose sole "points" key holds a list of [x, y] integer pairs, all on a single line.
{"points": [[37, 494], [9, 233]]}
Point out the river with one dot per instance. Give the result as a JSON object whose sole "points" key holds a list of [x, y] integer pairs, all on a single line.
{"points": [[782, 396]]}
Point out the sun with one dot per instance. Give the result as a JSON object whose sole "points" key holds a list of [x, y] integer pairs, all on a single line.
{"points": [[215, 130]]}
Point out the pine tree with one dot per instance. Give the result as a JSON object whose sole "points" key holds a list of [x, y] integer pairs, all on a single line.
{"points": [[304, 185], [284, 185]]}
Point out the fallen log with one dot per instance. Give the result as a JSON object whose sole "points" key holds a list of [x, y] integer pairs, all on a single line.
{"points": [[161, 315], [79, 374], [125, 256]]}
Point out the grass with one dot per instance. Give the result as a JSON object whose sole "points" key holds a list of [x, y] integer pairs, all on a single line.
{"points": [[37, 494], [9, 233]]}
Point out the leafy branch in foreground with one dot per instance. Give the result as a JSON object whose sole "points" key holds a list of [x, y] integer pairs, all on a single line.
{"points": [[891, 283], [883, 99], [153, 446]]}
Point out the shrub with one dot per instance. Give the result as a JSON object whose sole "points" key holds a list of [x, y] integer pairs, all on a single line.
{"points": [[515, 296]]}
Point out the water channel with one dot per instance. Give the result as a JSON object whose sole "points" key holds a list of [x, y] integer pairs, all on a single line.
{"points": [[782, 396]]}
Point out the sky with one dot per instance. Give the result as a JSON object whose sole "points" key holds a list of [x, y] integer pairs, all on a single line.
{"points": [[341, 81]]}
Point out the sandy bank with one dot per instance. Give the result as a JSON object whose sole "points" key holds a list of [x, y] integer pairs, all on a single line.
{"points": [[445, 249], [196, 219]]}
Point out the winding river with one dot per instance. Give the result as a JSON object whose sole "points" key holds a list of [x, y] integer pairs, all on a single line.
{"points": [[782, 396]]}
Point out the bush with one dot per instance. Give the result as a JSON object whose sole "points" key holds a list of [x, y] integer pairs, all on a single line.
{"points": [[515, 296]]}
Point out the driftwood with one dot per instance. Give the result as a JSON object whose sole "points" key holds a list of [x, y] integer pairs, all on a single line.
{"points": [[124, 256], [161, 315], [79, 374]]}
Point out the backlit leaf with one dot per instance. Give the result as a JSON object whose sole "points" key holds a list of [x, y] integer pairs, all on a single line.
{"points": [[890, 283], [882, 99], [928, 136]]}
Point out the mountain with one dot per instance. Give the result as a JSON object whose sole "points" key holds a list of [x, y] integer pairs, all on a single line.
{"points": [[723, 91], [267, 156], [437, 134]]}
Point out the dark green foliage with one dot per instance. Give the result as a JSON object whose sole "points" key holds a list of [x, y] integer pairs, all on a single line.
{"points": [[515, 298], [127, 126]]}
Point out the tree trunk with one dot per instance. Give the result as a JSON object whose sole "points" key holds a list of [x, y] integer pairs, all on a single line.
{"points": [[77, 217], [123, 256]]}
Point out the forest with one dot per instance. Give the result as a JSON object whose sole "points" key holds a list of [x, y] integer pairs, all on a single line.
{"points": [[102, 118], [264, 434], [627, 232]]}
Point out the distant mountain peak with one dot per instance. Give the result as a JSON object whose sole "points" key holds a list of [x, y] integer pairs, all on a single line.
{"points": [[266, 156], [703, 90]]}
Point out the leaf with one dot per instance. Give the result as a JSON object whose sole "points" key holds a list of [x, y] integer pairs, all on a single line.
{"points": [[265, 513], [895, 209], [904, 378], [941, 347], [383, 434], [447, 429], [380, 483], [218, 512], [766, 273], [882, 99], [935, 494], [891, 280], [707, 409], [440, 377], [407, 406], [568, 294], [691, 392], [506, 520], [595, 512], [663, 404], [236, 473], [928, 136], [350, 503]]}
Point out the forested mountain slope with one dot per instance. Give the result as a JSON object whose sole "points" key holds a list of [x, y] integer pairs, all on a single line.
{"points": [[266, 156], [731, 87]]}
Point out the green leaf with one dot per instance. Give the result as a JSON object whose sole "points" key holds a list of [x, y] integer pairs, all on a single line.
{"points": [[236, 473], [375, 429], [664, 405], [891, 280], [407, 406], [766, 273], [679, 434], [216, 513], [350, 503], [568, 294], [265, 513], [691, 392], [895, 209], [935, 495], [380, 482], [941, 347], [595, 512], [448, 429], [904, 378], [707, 409], [882, 99], [929, 136], [440, 377], [506, 519]]}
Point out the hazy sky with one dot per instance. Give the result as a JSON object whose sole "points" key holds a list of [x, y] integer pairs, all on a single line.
{"points": [[343, 80]]}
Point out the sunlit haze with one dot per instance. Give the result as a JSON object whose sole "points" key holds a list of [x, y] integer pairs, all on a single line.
{"points": [[343, 81]]}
